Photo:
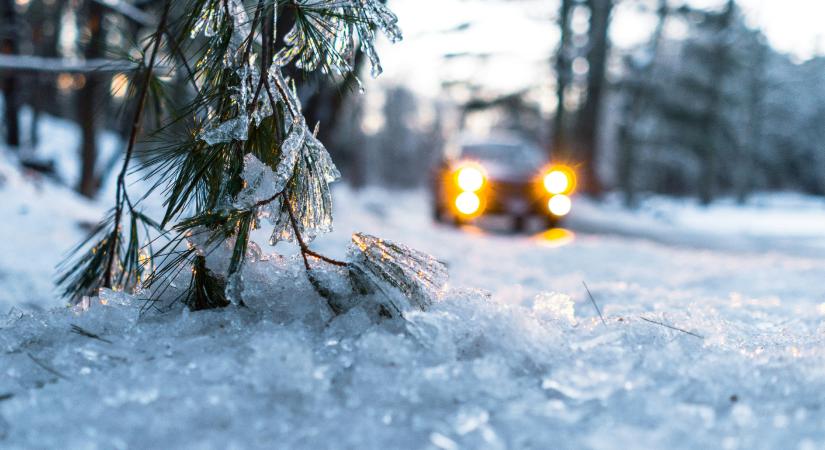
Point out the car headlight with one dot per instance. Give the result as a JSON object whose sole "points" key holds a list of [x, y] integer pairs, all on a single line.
{"points": [[560, 205], [470, 179], [557, 182], [468, 203]]}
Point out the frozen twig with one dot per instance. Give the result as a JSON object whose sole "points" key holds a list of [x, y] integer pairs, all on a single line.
{"points": [[6, 396], [672, 327], [595, 305]]}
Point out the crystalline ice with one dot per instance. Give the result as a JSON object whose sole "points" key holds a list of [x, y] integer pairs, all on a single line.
{"points": [[309, 195], [236, 129], [395, 269]]}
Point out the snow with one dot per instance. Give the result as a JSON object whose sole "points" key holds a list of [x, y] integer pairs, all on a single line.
{"points": [[512, 355]]}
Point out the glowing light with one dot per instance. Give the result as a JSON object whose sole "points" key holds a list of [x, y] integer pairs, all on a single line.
{"points": [[556, 182], [470, 179], [555, 237], [560, 205], [467, 203], [119, 85]]}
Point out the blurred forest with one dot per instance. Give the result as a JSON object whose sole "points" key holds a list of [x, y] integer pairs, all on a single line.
{"points": [[704, 107]]}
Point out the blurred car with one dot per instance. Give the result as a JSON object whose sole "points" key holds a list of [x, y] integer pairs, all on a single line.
{"points": [[501, 177]]}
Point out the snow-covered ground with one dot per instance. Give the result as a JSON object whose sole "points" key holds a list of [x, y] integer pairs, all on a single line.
{"points": [[513, 355]]}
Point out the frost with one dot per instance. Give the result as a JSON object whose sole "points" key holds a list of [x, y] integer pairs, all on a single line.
{"points": [[409, 280]]}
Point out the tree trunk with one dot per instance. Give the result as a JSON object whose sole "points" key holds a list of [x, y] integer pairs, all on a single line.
{"points": [[558, 145], [91, 99], [8, 45], [637, 104], [713, 117], [590, 116]]}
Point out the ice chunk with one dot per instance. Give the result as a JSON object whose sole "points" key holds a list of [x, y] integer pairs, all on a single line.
{"points": [[235, 288], [236, 129], [409, 279], [259, 183]]}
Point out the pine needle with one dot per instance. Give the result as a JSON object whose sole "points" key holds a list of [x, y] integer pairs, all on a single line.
{"points": [[595, 305], [46, 368], [88, 334], [672, 327]]}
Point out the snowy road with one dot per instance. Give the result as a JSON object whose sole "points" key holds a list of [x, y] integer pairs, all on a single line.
{"points": [[520, 369]]}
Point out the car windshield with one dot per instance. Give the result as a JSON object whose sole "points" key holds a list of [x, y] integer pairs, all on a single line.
{"points": [[513, 155]]}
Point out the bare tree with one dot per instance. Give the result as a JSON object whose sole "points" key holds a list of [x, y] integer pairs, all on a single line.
{"points": [[637, 87], [91, 99], [590, 115], [562, 63]]}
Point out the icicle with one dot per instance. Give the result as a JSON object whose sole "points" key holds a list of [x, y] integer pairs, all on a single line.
{"points": [[409, 279]]}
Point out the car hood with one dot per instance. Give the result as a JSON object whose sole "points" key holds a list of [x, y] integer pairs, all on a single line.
{"points": [[508, 173]]}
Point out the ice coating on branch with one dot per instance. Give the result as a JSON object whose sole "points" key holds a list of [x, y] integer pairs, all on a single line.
{"points": [[290, 150], [236, 129], [310, 196], [409, 279], [326, 39]]}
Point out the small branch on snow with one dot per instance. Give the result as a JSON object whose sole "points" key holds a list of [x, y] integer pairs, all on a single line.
{"points": [[6, 396], [595, 305], [672, 327]]}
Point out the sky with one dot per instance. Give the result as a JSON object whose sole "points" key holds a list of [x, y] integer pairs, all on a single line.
{"points": [[509, 43]]}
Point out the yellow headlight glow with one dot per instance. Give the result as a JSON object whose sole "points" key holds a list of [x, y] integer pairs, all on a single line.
{"points": [[560, 205], [470, 179], [556, 182], [467, 203]]}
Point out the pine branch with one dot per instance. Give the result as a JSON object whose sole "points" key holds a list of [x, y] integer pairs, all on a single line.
{"points": [[136, 122]]}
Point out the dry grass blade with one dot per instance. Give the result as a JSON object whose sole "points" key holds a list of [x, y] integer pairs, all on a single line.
{"points": [[595, 305]]}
